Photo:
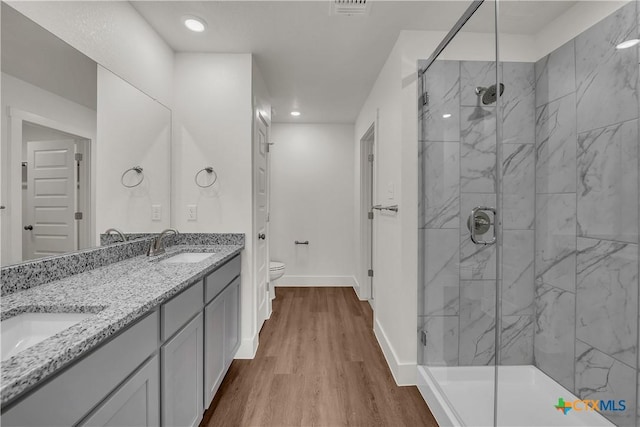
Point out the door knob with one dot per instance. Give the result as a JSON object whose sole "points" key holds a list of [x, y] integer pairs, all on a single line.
{"points": [[28, 227], [261, 236]]}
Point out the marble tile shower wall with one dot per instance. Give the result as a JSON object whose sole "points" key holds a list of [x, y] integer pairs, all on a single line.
{"points": [[586, 262], [458, 167], [570, 192]]}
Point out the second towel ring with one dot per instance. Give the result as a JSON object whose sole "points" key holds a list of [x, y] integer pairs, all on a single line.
{"points": [[208, 170], [138, 170]]}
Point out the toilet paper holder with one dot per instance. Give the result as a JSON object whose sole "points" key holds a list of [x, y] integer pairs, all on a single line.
{"points": [[297, 242]]}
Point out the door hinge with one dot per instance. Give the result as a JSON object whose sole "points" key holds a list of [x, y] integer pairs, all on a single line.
{"points": [[268, 286], [370, 157], [370, 273], [78, 157], [78, 215], [370, 215], [423, 338]]}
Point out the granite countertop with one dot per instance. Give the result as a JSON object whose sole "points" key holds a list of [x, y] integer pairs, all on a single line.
{"points": [[118, 294]]}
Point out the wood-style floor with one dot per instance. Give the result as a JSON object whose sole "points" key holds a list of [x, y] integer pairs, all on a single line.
{"points": [[318, 363]]}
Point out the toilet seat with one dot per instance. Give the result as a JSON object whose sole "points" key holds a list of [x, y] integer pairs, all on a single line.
{"points": [[276, 266]]}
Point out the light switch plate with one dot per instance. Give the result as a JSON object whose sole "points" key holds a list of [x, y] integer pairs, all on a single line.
{"points": [[156, 212], [192, 212]]}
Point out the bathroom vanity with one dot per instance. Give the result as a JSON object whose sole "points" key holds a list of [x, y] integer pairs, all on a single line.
{"points": [[158, 337]]}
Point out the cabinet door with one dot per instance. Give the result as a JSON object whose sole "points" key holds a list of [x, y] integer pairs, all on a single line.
{"points": [[135, 403], [231, 321], [182, 377], [214, 356]]}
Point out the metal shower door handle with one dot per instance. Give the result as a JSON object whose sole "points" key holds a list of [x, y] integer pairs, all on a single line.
{"points": [[479, 223]]}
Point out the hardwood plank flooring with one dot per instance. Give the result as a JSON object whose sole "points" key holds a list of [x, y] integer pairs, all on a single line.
{"points": [[318, 363]]}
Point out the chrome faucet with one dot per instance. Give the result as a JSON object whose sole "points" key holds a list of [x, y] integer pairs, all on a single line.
{"points": [[118, 232], [157, 245]]}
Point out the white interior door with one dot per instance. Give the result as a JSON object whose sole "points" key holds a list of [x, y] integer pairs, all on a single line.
{"points": [[261, 252], [49, 220]]}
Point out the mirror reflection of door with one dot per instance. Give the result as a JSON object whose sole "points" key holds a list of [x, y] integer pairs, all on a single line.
{"points": [[55, 199]]}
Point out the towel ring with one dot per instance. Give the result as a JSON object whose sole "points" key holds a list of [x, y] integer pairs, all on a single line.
{"points": [[208, 170], [138, 170]]}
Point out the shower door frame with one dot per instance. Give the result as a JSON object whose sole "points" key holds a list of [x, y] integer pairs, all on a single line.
{"points": [[466, 16]]}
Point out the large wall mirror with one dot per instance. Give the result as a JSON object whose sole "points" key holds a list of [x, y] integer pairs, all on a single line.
{"points": [[82, 150]]}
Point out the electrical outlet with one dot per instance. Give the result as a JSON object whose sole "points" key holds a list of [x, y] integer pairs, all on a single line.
{"points": [[192, 212], [156, 212]]}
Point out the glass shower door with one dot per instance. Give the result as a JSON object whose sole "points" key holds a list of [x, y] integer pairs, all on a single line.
{"points": [[458, 234]]}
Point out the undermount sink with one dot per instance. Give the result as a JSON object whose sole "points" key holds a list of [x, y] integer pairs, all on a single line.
{"points": [[20, 332], [187, 257]]}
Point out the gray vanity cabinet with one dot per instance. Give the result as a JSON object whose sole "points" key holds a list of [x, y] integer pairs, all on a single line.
{"points": [[135, 403], [182, 376], [222, 325], [214, 357], [231, 321]]}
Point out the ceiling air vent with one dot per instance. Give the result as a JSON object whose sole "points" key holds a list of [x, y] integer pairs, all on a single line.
{"points": [[349, 7]]}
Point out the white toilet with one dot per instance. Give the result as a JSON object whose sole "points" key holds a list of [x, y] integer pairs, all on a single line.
{"points": [[276, 270]]}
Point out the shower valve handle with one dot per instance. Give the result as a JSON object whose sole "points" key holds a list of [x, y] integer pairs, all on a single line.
{"points": [[479, 223]]}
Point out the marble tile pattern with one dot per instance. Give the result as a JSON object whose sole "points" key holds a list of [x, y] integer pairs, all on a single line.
{"points": [[518, 103], [606, 76], [556, 145], [608, 183], [555, 74], [441, 271], [555, 258], [518, 186], [554, 333], [477, 322], [440, 187], [26, 275], [477, 152], [442, 340], [120, 293], [516, 346], [599, 376], [607, 297]]}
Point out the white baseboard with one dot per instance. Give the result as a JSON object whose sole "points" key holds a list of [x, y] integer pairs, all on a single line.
{"points": [[403, 373], [357, 288], [316, 281], [248, 348]]}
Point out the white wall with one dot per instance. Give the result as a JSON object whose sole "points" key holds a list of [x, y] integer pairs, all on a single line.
{"points": [[312, 185], [20, 95], [132, 130], [212, 127], [113, 34]]}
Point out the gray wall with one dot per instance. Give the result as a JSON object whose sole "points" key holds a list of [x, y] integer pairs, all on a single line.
{"points": [[587, 214]]}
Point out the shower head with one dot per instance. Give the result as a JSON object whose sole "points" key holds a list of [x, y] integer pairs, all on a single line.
{"points": [[489, 94]]}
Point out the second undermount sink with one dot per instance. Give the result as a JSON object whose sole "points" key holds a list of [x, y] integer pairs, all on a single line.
{"points": [[20, 332], [187, 257]]}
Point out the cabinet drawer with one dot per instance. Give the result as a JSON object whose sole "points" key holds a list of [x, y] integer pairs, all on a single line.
{"points": [[67, 398], [177, 312], [215, 282]]}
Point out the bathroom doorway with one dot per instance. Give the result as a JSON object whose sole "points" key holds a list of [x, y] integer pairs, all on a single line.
{"points": [[367, 162]]}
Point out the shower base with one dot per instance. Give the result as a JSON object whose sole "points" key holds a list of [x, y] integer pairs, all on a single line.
{"points": [[463, 396]]}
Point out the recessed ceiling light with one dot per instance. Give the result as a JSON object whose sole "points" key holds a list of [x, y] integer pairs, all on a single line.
{"points": [[295, 113], [628, 43], [196, 25], [446, 116]]}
